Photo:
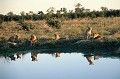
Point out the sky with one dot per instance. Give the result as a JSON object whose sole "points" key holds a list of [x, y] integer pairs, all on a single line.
{"points": [[17, 6]]}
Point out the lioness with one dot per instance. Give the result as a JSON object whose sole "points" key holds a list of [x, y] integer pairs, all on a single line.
{"points": [[33, 39], [88, 33], [13, 40], [97, 36], [57, 37]]}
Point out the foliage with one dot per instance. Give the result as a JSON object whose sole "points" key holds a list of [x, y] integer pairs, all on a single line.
{"points": [[78, 12], [26, 26], [53, 22]]}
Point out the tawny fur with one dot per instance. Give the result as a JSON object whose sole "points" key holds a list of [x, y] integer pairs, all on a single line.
{"points": [[97, 36], [57, 37], [88, 33], [33, 40]]}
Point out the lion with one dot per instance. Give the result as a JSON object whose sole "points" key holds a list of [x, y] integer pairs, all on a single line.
{"points": [[13, 40], [97, 36], [57, 37], [33, 40], [88, 33]]}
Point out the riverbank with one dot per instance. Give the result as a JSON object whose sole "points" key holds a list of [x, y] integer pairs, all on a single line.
{"points": [[108, 28], [62, 44]]}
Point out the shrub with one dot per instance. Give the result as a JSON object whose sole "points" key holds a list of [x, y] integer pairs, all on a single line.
{"points": [[54, 23], [26, 26]]}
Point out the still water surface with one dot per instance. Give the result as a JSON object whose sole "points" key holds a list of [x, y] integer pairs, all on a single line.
{"points": [[75, 65]]}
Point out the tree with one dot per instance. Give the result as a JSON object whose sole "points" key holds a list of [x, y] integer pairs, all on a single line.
{"points": [[78, 5], [30, 15], [79, 10], [104, 11], [40, 13], [51, 10], [10, 16], [64, 10], [22, 15]]}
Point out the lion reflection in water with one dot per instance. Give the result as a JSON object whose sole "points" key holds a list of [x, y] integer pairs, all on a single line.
{"points": [[34, 56], [89, 58], [57, 54]]}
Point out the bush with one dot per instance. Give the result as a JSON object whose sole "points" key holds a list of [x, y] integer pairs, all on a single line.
{"points": [[54, 23], [27, 26]]}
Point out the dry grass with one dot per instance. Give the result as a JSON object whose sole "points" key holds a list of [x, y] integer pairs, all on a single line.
{"points": [[70, 28]]}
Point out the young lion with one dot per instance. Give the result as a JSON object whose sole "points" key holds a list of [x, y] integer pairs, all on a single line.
{"points": [[88, 33], [33, 40]]}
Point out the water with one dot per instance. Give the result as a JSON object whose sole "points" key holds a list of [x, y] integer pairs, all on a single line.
{"points": [[56, 65]]}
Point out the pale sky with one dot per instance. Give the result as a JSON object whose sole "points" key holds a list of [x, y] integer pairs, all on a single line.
{"points": [[17, 6]]}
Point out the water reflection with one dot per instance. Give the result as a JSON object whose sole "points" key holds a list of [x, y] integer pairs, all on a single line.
{"points": [[11, 56], [19, 56], [34, 56], [73, 65], [89, 58], [57, 54]]}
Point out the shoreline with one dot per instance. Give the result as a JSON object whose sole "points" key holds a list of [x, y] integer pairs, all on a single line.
{"points": [[63, 44]]}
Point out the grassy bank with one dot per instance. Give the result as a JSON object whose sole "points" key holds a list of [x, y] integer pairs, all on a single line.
{"points": [[69, 28], [72, 29]]}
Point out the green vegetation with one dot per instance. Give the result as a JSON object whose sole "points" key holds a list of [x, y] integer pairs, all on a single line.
{"points": [[78, 12], [54, 23]]}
